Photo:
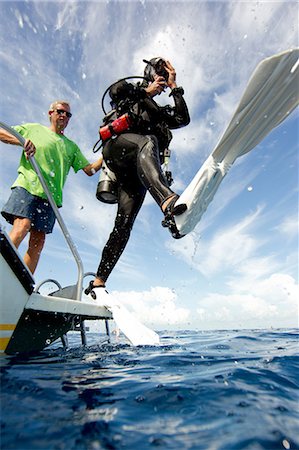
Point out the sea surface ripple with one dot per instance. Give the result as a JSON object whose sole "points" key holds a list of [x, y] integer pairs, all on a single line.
{"points": [[205, 390]]}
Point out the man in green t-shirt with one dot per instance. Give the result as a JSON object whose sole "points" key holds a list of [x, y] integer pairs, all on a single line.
{"points": [[27, 208]]}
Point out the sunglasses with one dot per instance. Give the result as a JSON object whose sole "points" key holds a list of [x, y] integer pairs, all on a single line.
{"points": [[62, 111]]}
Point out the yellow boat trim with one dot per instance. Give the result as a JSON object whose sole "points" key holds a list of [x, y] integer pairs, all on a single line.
{"points": [[3, 343], [7, 326]]}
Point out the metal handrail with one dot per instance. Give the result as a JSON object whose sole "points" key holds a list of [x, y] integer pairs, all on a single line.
{"points": [[55, 209], [49, 280]]}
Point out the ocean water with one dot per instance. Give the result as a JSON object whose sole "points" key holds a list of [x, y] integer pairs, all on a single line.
{"points": [[211, 390]]}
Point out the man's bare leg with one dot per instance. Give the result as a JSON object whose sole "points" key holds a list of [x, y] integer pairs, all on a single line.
{"points": [[35, 246], [21, 226]]}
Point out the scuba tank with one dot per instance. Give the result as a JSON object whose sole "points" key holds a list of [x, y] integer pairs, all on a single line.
{"points": [[107, 186]]}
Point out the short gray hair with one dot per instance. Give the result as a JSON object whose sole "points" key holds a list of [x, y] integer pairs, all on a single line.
{"points": [[58, 102]]}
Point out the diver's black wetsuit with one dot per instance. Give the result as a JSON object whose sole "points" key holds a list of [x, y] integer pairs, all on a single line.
{"points": [[135, 157]]}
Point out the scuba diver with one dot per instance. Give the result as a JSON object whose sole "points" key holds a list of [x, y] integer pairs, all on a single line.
{"points": [[136, 135]]}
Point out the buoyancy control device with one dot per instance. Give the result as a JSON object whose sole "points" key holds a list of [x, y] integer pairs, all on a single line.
{"points": [[107, 187]]}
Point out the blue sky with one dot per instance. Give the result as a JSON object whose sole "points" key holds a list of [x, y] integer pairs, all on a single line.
{"points": [[239, 268]]}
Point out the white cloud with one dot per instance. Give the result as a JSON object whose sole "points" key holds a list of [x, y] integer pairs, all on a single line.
{"points": [[88, 218], [257, 20], [252, 269], [289, 226], [269, 302], [227, 249], [66, 15], [157, 306]]}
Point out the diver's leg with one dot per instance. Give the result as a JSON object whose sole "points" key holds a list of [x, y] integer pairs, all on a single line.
{"points": [[151, 175], [150, 172], [131, 155], [128, 208]]}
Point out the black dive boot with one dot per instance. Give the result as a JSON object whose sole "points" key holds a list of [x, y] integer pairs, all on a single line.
{"points": [[169, 214], [90, 290]]}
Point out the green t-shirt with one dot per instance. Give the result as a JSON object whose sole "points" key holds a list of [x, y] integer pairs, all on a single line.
{"points": [[55, 155]]}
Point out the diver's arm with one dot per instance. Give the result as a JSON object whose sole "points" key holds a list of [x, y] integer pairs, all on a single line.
{"points": [[178, 116]]}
